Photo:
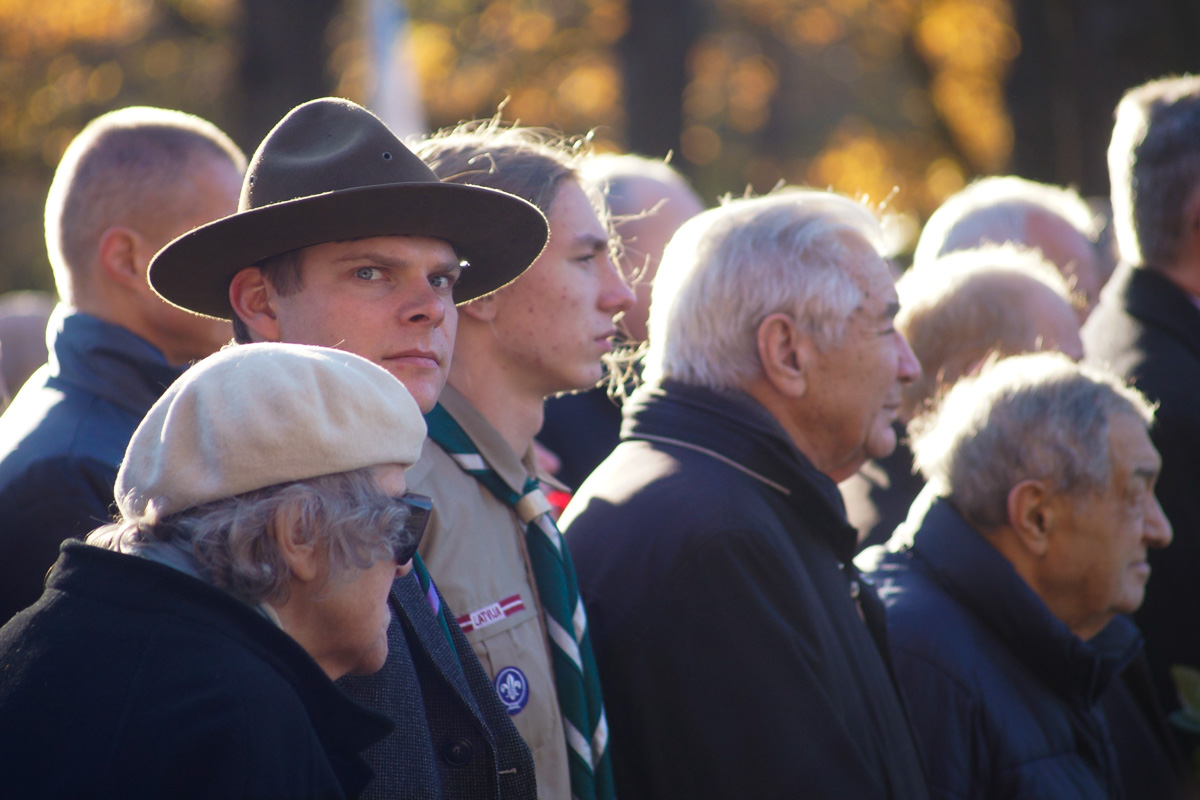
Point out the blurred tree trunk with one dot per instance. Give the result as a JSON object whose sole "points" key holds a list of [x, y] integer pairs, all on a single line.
{"points": [[1078, 57], [283, 62], [654, 51]]}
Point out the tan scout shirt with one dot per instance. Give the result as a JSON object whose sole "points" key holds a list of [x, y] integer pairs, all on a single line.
{"points": [[475, 550]]}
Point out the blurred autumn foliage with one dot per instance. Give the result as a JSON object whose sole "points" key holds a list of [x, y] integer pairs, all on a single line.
{"points": [[902, 101]]}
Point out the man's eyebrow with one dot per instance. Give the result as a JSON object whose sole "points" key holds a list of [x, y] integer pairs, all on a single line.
{"points": [[1147, 473], [388, 261], [595, 243]]}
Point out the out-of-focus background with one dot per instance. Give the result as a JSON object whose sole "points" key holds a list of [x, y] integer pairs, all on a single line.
{"points": [[900, 100]]}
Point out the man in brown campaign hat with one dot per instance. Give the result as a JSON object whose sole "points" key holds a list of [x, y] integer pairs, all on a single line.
{"points": [[344, 238]]}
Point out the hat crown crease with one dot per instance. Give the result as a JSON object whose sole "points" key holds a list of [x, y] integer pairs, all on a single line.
{"points": [[325, 147]]}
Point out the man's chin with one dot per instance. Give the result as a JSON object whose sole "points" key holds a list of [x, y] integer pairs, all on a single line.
{"points": [[881, 444], [424, 385]]}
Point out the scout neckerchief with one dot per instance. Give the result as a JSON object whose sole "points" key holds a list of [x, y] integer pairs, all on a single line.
{"points": [[578, 686]]}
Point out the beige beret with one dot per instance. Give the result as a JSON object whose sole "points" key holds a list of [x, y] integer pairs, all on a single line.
{"points": [[258, 415]]}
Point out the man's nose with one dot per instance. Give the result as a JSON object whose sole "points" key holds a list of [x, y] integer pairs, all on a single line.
{"points": [[1158, 528], [909, 368], [615, 294]]}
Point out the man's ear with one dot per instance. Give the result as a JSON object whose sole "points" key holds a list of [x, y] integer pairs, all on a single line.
{"points": [[786, 354], [253, 300], [482, 310], [301, 556], [1033, 511], [119, 256]]}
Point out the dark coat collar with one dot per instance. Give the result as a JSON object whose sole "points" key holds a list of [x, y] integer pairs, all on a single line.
{"points": [[343, 727], [979, 577], [1155, 301], [735, 428], [107, 360]]}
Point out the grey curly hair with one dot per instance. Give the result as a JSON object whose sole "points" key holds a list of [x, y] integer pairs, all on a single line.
{"points": [[231, 540]]}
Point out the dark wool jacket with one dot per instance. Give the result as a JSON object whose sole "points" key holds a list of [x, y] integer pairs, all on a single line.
{"points": [[715, 564], [129, 679], [1148, 331], [1004, 698], [453, 737], [62, 440]]}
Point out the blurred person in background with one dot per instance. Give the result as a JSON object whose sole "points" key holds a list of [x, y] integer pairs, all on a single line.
{"points": [[1007, 595], [955, 312], [1147, 329], [741, 654], [1011, 210], [344, 238], [647, 201], [23, 318], [190, 648], [130, 182], [493, 543]]}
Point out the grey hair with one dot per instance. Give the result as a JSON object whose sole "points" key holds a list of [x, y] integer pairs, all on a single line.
{"points": [[1037, 416], [1154, 168], [231, 540], [124, 168], [995, 210], [621, 175], [956, 310], [729, 268]]}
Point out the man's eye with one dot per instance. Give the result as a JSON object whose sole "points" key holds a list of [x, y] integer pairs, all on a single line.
{"points": [[443, 281], [368, 273]]}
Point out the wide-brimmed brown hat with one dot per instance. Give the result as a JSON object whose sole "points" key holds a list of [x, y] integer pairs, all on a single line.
{"points": [[330, 171]]}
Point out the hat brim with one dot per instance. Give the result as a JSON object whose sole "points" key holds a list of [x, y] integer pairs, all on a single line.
{"points": [[497, 234]]}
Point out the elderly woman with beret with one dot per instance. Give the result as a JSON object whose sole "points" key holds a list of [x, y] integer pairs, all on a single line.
{"points": [[190, 649]]}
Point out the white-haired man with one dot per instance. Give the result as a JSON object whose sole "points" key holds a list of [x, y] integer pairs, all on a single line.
{"points": [[736, 641], [1005, 596], [130, 182], [1147, 328], [997, 299], [1010, 210]]}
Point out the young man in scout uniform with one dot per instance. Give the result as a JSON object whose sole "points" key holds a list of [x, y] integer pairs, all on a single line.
{"points": [[491, 543]]}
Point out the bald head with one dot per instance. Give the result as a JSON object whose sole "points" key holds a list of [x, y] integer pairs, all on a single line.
{"points": [[648, 201], [1010, 210], [964, 307]]}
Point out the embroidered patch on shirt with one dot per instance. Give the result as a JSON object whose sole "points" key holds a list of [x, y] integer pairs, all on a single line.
{"points": [[488, 615], [513, 689]]}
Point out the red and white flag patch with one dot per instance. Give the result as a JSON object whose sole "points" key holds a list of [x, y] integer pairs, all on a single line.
{"points": [[491, 614]]}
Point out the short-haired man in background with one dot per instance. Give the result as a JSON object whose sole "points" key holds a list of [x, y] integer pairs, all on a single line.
{"points": [[1147, 329], [742, 655], [1005, 209], [130, 182], [1006, 603], [491, 543]]}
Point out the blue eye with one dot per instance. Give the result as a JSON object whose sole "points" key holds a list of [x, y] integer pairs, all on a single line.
{"points": [[367, 273], [445, 280]]}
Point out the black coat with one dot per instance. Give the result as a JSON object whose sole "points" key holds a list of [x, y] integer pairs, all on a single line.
{"points": [[61, 442], [1005, 699], [453, 737], [129, 679], [715, 564], [1148, 331]]}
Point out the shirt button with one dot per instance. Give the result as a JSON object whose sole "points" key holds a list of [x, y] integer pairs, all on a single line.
{"points": [[854, 590], [458, 752]]}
